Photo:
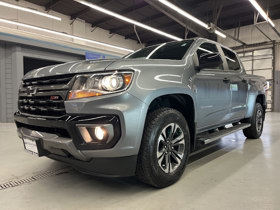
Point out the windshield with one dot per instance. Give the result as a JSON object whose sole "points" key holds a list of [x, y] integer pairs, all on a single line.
{"points": [[170, 50]]}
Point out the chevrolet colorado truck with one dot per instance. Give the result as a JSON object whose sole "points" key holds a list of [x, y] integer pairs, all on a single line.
{"points": [[141, 115]]}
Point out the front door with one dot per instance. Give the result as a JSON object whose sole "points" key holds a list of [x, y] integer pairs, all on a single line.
{"points": [[213, 98], [212, 90]]}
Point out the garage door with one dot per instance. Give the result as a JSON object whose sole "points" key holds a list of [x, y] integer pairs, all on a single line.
{"points": [[260, 62]]}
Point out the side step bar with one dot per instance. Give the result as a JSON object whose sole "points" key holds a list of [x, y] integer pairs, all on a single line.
{"points": [[210, 137]]}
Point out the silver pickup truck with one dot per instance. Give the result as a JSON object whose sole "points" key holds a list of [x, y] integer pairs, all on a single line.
{"points": [[140, 115]]}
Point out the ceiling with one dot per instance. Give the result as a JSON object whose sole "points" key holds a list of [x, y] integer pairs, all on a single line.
{"points": [[226, 14]]}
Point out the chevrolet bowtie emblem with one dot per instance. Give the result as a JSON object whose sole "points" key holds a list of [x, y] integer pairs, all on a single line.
{"points": [[31, 91]]}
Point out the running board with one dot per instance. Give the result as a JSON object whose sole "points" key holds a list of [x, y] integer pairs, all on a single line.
{"points": [[210, 137]]}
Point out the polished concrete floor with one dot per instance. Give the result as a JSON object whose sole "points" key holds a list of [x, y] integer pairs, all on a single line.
{"points": [[234, 173]]}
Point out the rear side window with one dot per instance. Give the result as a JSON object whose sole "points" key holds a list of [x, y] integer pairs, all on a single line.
{"points": [[232, 60], [208, 48]]}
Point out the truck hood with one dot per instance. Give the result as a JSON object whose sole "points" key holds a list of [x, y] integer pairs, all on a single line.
{"points": [[69, 68], [95, 66]]}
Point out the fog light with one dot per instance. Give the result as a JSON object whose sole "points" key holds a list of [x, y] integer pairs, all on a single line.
{"points": [[96, 133], [100, 133]]}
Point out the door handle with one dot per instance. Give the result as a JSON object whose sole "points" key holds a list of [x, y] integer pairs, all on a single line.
{"points": [[226, 80]]}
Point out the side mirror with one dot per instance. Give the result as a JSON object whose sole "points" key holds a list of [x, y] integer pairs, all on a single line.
{"points": [[210, 61]]}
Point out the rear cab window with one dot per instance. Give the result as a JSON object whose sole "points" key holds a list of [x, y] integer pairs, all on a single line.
{"points": [[232, 61]]}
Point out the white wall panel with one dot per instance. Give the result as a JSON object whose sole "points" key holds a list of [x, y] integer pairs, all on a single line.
{"points": [[247, 64], [268, 96], [259, 62], [251, 35], [249, 72], [262, 64], [266, 52], [79, 28], [269, 106], [265, 73], [248, 53]]}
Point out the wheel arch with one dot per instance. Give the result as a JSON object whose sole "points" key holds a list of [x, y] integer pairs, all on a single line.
{"points": [[181, 102], [252, 100], [261, 99]]}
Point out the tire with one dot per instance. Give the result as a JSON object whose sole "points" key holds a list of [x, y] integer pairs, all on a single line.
{"points": [[164, 149], [256, 128]]}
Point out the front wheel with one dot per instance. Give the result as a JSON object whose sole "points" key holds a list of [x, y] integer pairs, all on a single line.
{"points": [[164, 149], [255, 130]]}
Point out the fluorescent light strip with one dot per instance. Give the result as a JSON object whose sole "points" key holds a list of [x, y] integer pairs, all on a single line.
{"points": [[184, 13], [4, 4], [260, 10], [108, 12], [65, 35], [187, 15], [220, 33]]}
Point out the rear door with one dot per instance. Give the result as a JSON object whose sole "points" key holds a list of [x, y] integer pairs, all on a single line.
{"points": [[238, 86]]}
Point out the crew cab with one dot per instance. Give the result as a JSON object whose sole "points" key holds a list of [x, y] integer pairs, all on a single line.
{"points": [[141, 115]]}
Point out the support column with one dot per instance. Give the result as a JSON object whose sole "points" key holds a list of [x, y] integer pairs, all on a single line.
{"points": [[11, 72], [276, 77], [17, 74], [2, 84]]}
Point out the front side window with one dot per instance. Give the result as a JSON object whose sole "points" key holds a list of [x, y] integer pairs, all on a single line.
{"points": [[233, 63], [171, 50]]}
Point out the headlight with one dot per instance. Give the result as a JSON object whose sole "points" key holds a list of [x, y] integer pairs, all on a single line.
{"points": [[112, 82], [99, 84]]}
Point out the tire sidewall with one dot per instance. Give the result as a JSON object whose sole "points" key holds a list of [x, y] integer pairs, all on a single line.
{"points": [[164, 120], [252, 131], [254, 123]]}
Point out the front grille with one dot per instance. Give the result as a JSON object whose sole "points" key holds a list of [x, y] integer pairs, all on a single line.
{"points": [[41, 105], [44, 96], [47, 81]]}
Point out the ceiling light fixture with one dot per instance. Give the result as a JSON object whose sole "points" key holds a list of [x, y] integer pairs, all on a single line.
{"points": [[260, 10], [220, 33], [108, 12], [189, 16], [184, 13], [65, 35], [4, 4]]}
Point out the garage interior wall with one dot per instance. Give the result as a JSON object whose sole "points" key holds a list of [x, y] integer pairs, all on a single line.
{"points": [[260, 57], [17, 42], [260, 62], [11, 71]]}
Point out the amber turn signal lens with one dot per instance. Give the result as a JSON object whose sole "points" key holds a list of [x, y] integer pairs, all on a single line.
{"points": [[76, 94], [127, 79]]}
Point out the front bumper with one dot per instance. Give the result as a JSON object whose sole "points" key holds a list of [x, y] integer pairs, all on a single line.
{"points": [[61, 140], [54, 142]]}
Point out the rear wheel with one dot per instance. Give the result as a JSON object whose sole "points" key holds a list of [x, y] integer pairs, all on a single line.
{"points": [[164, 149], [255, 130]]}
